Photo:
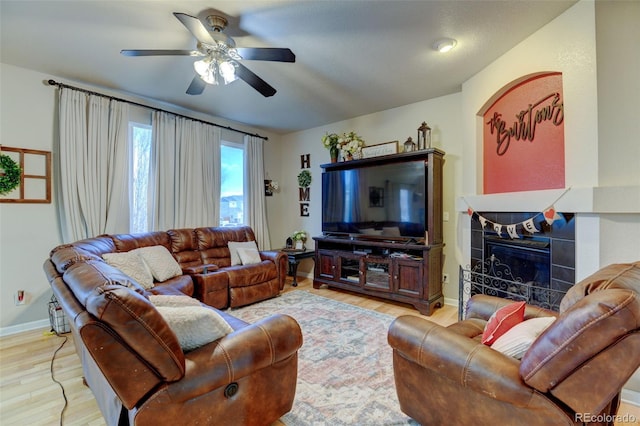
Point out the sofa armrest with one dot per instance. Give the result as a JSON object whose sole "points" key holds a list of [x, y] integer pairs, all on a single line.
{"points": [[483, 306], [237, 355], [200, 269], [282, 264], [464, 361]]}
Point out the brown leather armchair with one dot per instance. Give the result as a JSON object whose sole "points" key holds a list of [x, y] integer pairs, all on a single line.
{"points": [[572, 373]]}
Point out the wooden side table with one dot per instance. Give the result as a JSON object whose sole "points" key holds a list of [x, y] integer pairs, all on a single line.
{"points": [[295, 256]]}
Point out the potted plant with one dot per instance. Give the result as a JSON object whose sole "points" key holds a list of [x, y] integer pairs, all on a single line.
{"points": [[299, 238], [330, 141]]}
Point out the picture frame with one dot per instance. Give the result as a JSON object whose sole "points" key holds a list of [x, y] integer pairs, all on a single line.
{"points": [[386, 148], [376, 196]]}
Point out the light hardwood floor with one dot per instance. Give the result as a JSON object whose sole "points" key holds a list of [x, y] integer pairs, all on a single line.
{"points": [[29, 396]]}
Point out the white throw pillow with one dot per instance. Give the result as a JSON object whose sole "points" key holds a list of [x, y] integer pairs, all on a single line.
{"points": [[517, 340], [170, 300], [162, 265], [131, 264], [233, 249], [194, 326], [249, 256]]}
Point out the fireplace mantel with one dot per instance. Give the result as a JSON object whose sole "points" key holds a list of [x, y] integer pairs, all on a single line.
{"points": [[612, 199]]}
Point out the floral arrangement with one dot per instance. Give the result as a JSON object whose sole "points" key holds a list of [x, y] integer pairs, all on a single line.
{"points": [[330, 140], [299, 236], [350, 144]]}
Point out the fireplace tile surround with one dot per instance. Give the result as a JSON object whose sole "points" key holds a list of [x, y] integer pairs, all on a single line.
{"points": [[561, 236]]}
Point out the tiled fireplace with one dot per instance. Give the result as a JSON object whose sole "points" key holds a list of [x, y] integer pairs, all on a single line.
{"points": [[546, 255]]}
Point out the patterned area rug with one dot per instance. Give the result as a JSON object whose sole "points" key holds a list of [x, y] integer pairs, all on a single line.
{"points": [[345, 367]]}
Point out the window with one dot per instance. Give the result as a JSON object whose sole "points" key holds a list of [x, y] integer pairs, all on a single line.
{"points": [[140, 140], [232, 184], [232, 200]]}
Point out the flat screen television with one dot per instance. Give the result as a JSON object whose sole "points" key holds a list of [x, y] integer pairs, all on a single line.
{"points": [[380, 201]]}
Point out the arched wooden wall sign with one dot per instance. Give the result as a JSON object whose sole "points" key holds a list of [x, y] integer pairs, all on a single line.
{"points": [[523, 136]]}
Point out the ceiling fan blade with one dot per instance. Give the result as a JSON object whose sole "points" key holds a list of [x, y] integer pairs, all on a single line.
{"points": [[266, 54], [197, 86], [159, 52], [254, 81], [194, 25]]}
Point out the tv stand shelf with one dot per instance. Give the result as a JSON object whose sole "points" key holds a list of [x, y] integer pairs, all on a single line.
{"points": [[406, 268], [407, 273]]}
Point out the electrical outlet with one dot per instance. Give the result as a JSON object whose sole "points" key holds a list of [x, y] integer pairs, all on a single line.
{"points": [[20, 297], [445, 278]]}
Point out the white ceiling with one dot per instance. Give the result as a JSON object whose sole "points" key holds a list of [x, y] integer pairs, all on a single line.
{"points": [[352, 57]]}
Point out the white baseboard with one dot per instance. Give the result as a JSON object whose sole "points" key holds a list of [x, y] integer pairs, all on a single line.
{"points": [[28, 326], [631, 397]]}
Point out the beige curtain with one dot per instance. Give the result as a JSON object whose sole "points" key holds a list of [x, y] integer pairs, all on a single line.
{"points": [[92, 162], [185, 174], [256, 209]]}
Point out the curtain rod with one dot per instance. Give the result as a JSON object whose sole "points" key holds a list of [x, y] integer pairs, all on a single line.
{"points": [[55, 83]]}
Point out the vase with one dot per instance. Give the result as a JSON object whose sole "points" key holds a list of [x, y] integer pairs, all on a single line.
{"points": [[333, 151], [299, 245]]}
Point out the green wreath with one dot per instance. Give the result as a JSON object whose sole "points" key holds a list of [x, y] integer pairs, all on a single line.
{"points": [[304, 178], [11, 177]]}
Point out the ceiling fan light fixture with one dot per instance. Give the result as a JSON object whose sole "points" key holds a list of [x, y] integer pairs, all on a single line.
{"points": [[228, 71], [216, 70], [444, 45]]}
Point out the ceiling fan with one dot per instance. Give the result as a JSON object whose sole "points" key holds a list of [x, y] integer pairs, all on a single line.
{"points": [[221, 58]]}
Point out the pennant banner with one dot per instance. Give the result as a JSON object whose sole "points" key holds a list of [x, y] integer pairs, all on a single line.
{"points": [[549, 214]]}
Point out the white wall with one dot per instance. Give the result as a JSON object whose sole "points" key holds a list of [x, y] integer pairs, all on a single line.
{"points": [[442, 115], [29, 231]]}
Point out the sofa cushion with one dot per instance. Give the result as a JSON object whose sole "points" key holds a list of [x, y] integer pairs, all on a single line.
{"points": [[131, 263], [66, 255], [233, 250], [83, 277], [159, 260], [194, 326], [249, 256], [137, 323], [250, 275], [516, 341], [589, 326], [502, 320]]}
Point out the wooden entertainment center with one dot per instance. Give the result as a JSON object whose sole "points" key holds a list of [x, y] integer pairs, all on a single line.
{"points": [[403, 269]]}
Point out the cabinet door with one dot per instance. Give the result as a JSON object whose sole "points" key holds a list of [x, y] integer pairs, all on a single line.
{"points": [[409, 277], [325, 265], [377, 274], [349, 269]]}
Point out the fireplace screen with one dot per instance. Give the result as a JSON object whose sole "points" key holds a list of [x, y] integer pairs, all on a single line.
{"points": [[496, 277]]}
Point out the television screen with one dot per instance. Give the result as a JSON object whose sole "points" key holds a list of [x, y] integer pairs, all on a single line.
{"points": [[384, 200]]}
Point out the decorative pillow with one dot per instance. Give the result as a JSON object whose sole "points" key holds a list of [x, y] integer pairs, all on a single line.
{"points": [[519, 338], [249, 256], [173, 300], [502, 320], [158, 259], [194, 326], [131, 264], [233, 249]]}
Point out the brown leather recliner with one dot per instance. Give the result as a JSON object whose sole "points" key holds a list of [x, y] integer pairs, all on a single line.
{"points": [[572, 373]]}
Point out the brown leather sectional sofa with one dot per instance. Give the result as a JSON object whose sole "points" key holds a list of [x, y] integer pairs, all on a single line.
{"points": [[131, 358]]}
